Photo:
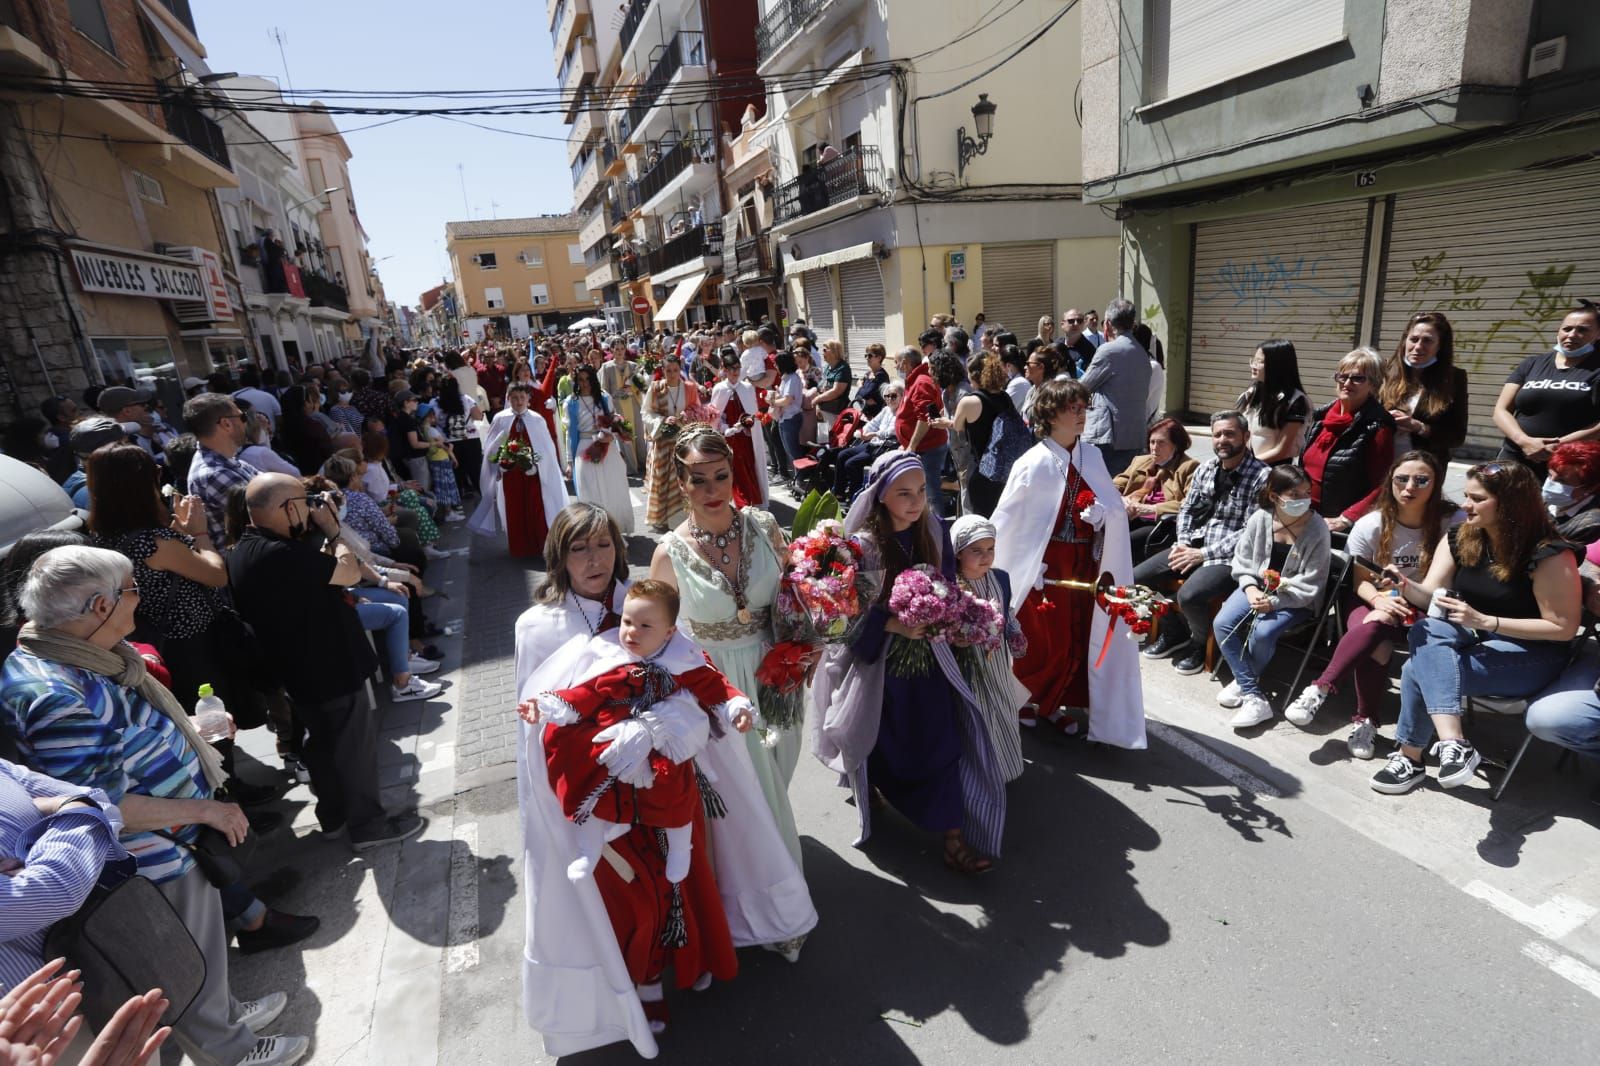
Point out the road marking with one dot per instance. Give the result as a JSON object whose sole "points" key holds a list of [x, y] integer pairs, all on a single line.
{"points": [[1211, 760], [1563, 965], [461, 952], [1553, 919]]}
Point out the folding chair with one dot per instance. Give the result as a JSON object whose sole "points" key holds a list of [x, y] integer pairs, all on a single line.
{"points": [[1513, 707], [1329, 618]]}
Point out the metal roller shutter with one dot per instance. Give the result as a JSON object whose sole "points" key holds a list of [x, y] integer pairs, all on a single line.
{"points": [[1019, 286], [1295, 275], [861, 307], [1498, 258], [818, 288]]}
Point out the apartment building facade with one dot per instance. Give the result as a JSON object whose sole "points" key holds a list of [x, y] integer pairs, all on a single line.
{"points": [[1358, 162], [115, 268], [515, 277]]}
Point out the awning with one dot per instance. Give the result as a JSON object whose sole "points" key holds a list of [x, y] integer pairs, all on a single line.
{"points": [[680, 297], [180, 48], [827, 259]]}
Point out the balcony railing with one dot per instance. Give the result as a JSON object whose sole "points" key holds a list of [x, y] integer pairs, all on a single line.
{"points": [[630, 197], [631, 267], [666, 159], [631, 22], [690, 244], [555, 23], [615, 212], [190, 125], [752, 258], [782, 23], [856, 172], [323, 291], [687, 48], [608, 154]]}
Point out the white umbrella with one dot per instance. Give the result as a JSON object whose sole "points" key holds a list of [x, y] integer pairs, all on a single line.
{"points": [[586, 323]]}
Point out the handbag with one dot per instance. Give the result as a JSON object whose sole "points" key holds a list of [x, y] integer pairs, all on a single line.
{"points": [[128, 939], [221, 863]]}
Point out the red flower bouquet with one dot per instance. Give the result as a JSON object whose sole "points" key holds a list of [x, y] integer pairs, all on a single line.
{"points": [[782, 675], [515, 455]]}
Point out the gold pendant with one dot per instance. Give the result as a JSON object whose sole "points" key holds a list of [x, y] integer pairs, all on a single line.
{"points": [[744, 616]]}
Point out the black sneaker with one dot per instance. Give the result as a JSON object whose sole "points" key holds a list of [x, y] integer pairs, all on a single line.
{"points": [[1398, 776], [394, 829], [1191, 661], [1169, 641], [1457, 760], [278, 930]]}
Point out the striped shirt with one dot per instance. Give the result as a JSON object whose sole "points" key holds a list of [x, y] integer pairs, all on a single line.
{"points": [[51, 863], [211, 476], [85, 728]]}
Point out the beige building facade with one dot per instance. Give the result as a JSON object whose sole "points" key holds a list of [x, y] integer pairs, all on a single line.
{"points": [[514, 277]]}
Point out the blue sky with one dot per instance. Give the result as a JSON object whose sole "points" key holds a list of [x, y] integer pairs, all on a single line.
{"points": [[405, 177]]}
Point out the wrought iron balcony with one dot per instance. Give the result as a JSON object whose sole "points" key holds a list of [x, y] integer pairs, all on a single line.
{"points": [[666, 159], [687, 48], [692, 243], [857, 172], [781, 23], [323, 291], [752, 258], [190, 125], [631, 23]]}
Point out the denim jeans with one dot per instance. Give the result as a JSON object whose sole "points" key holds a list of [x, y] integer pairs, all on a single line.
{"points": [[1247, 645], [933, 467], [1568, 712], [1450, 662], [789, 433], [392, 622]]}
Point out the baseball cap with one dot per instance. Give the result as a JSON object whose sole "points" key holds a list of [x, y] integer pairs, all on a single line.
{"points": [[403, 397], [193, 382], [117, 397], [94, 432]]}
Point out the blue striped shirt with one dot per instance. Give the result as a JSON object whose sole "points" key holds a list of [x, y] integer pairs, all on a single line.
{"points": [[51, 863], [85, 728]]}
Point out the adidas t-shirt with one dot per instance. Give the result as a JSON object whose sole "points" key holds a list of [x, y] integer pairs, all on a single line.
{"points": [[1553, 402]]}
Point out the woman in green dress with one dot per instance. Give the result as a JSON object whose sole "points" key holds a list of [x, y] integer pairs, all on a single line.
{"points": [[725, 562]]}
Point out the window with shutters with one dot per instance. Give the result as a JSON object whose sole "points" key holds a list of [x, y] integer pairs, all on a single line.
{"points": [[494, 298], [1195, 44], [575, 255], [580, 292], [540, 294], [486, 260], [533, 256]]}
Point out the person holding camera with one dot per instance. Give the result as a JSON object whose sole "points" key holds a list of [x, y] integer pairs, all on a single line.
{"points": [[291, 592]]}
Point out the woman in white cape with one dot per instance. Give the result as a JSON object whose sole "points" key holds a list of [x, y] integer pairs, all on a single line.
{"points": [[1026, 518], [490, 518], [577, 991]]}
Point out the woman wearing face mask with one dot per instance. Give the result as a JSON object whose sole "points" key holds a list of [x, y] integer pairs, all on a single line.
{"points": [[1280, 564], [343, 413], [1424, 391], [1554, 397], [1572, 491]]}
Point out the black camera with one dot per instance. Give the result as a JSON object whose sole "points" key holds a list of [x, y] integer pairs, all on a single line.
{"points": [[315, 501]]}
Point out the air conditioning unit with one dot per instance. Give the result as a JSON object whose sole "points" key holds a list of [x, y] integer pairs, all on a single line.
{"points": [[522, 257], [1547, 57], [477, 260]]}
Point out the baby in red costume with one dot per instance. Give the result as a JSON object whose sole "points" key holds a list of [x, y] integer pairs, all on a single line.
{"points": [[679, 711]]}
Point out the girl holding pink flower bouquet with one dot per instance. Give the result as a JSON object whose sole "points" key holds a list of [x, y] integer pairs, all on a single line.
{"points": [[893, 712]]}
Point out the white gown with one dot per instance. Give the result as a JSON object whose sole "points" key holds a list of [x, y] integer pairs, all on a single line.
{"points": [[575, 987], [489, 520], [720, 394], [606, 482]]}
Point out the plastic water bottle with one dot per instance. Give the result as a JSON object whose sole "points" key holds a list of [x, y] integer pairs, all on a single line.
{"points": [[211, 718]]}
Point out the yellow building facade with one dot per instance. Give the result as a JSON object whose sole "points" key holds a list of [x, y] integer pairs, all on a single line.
{"points": [[514, 277]]}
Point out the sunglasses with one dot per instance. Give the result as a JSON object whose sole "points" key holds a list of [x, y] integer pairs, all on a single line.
{"points": [[1350, 379], [1074, 321], [1421, 481]]}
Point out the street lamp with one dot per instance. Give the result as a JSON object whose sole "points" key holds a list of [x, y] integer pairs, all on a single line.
{"points": [[983, 124], [325, 192]]}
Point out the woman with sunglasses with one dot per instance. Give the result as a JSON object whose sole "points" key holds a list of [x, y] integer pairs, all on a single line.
{"points": [[1400, 532], [1350, 443], [1504, 603], [1423, 389]]}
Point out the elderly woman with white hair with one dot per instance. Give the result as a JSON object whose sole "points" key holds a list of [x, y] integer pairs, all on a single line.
{"points": [[1350, 443], [81, 707]]}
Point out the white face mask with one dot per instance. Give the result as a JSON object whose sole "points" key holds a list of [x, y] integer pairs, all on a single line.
{"points": [[1295, 508], [1556, 494], [344, 397]]}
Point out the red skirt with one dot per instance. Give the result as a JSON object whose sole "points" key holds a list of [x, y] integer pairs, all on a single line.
{"points": [[526, 522], [1056, 622], [638, 910], [746, 479]]}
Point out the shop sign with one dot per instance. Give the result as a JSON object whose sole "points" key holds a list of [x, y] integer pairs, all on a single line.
{"points": [[121, 274]]}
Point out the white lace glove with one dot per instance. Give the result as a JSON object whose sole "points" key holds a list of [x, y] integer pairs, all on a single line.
{"points": [[628, 753], [1044, 572], [550, 404], [1094, 514], [739, 713], [553, 710]]}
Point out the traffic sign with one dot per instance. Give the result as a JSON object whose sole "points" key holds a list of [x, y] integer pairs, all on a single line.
{"points": [[641, 305]]}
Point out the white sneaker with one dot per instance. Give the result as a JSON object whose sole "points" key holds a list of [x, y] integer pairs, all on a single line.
{"points": [[1305, 706], [1361, 739], [1230, 696], [277, 1051], [456, 516], [257, 1014], [415, 689], [418, 665], [1253, 711], [434, 553]]}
